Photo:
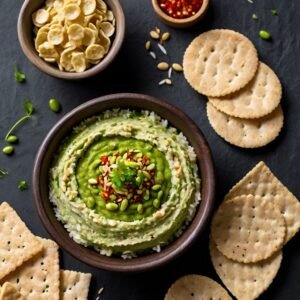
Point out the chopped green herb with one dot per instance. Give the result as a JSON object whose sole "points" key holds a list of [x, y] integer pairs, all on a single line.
{"points": [[23, 185], [274, 12], [29, 111], [8, 150], [3, 173], [254, 17], [265, 35], [19, 77]]}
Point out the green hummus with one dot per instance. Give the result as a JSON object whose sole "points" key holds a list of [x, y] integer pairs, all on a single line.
{"points": [[125, 183]]}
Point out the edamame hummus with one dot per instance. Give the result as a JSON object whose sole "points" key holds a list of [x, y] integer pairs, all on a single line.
{"points": [[125, 183]]}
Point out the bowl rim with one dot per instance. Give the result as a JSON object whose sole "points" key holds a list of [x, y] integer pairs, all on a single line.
{"points": [[142, 263], [185, 21], [32, 56]]}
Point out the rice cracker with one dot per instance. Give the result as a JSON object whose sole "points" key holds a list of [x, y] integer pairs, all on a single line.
{"points": [[219, 62], [196, 287], [246, 133], [248, 229], [245, 281], [259, 98], [262, 182], [74, 285], [38, 278], [17, 243], [9, 292]]}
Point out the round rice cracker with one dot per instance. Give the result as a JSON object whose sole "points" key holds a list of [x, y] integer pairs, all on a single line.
{"points": [[248, 229], [246, 133], [257, 99], [196, 287], [245, 281], [220, 62]]}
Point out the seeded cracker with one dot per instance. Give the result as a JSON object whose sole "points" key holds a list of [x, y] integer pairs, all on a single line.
{"points": [[246, 133], [219, 62], [262, 182], [248, 229], [9, 292], [38, 278], [74, 285], [257, 99], [17, 243], [245, 281], [194, 287]]}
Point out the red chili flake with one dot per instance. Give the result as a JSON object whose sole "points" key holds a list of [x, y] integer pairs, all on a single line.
{"points": [[100, 181], [105, 195], [145, 160], [180, 9], [129, 154], [104, 159]]}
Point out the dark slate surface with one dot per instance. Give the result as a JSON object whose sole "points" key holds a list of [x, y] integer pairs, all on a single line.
{"points": [[134, 71]]}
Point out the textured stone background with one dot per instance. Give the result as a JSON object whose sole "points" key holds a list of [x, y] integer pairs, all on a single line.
{"points": [[135, 71]]}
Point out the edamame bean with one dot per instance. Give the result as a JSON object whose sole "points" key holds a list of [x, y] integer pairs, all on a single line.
{"points": [[156, 187], [111, 206], [156, 203], [151, 167], [90, 202], [12, 139], [8, 150], [112, 197], [54, 105], [92, 181], [140, 208], [160, 194], [147, 195], [265, 35], [124, 205]]}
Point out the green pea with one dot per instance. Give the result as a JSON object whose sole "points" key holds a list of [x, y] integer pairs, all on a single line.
{"points": [[151, 167], [156, 203], [111, 206], [124, 205], [139, 155], [138, 180], [160, 194], [8, 150], [156, 187], [12, 139], [140, 208], [147, 195], [265, 35], [54, 105], [112, 197]]}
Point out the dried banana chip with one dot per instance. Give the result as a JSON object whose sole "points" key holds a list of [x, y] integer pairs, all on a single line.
{"points": [[75, 32], [101, 5], [65, 59], [47, 50], [56, 36], [71, 11], [88, 6], [104, 40], [40, 39], [40, 17], [89, 37], [94, 52], [49, 3], [107, 28], [78, 61], [50, 60], [110, 16]]}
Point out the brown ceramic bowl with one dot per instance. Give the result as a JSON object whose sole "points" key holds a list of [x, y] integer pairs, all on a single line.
{"points": [[63, 128], [26, 36], [181, 23]]}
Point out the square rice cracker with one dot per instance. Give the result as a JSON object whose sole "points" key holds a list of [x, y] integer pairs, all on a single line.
{"points": [[245, 281], [38, 278], [17, 243], [262, 182], [74, 285], [9, 292]]}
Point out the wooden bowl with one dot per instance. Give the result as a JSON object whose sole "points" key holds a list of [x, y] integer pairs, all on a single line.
{"points": [[26, 39], [63, 128], [181, 23]]}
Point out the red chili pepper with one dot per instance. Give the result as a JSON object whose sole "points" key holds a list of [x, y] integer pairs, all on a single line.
{"points": [[180, 9], [145, 160], [100, 181], [129, 154], [104, 159], [104, 195]]}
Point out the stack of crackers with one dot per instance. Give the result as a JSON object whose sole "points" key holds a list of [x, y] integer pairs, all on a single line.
{"points": [[29, 265], [257, 218], [244, 94]]}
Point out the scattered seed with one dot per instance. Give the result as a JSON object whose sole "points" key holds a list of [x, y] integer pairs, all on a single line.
{"points": [[12, 139], [8, 150], [163, 66], [162, 49], [265, 35], [154, 35], [170, 72], [168, 81], [165, 37], [148, 45], [157, 30], [162, 82], [177, 67], [100, 290], [254, 17], [152, 54]]}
